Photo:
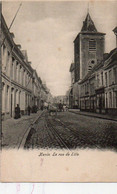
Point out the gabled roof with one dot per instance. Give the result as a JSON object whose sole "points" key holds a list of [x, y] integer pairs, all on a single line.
{"points": [[88, 25], [112, 58], [114, 51]]}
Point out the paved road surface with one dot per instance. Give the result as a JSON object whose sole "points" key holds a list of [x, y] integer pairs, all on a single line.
{"points": [[70, 131], [14, 129]]}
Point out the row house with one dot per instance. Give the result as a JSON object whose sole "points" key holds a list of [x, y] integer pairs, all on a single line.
{"points": [[20, 82], [16, 74], [98, 90], [91, 88], [110, 74], [89, 47], [36, 90], [49, 97], [45, 94], [67, 97], [94, 72], [74, 89], [71, 97]]}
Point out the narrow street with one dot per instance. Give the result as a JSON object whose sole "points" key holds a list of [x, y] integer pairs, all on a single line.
{"points": [[70, 131]]}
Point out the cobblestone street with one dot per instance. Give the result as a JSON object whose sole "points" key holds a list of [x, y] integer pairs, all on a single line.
{"points": [[70, 131]]}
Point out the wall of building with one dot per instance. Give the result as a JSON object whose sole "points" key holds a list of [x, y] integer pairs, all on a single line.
{"points": [[77, 58], [95, 73], [98, 93], [90, 57], [20, 83]]}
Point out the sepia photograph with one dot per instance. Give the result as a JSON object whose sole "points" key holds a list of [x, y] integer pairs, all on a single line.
{"points": [[59, 75], [59, 80]]}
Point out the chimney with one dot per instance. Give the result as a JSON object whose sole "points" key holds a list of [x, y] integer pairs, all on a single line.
{"points": [[19, 46], [115, 32]]}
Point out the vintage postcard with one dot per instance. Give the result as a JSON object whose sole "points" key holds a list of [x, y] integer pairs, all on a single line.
{"points": [[59, 91]]}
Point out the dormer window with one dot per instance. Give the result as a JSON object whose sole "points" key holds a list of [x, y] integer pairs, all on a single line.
{"points": [[92, 45]]}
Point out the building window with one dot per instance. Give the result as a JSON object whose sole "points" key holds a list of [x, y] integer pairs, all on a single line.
{"points": [[106, 83], [110, 99], [23, 77], [106, 101], [92, 45], [85, 88], [116, 99], [7, 99], [12, 68], [98, 81], [103, 100], [110, 77], [102, 78], [115, 75], [8, 59]]}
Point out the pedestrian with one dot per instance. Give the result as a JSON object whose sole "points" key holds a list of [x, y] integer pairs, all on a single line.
{"points": [[60, 107], [41, 107], [17, 112], [29, 109], [100, 105], [64, 108]]}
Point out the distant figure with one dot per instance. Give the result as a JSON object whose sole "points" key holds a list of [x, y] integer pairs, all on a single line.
{"points": [[52, 110], [100, 105], [60, 107], [17, 112], [41, 107], [29, 109], [34, 109], [64, 108]]}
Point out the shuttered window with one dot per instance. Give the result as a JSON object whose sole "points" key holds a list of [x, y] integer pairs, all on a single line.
{"points": [[92, 45]]}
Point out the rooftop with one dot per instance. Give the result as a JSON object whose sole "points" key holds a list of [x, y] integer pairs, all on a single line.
{"points": [[88, 25]]}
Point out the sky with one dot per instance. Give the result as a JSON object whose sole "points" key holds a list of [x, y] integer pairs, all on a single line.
{"points": [[47, 31]]}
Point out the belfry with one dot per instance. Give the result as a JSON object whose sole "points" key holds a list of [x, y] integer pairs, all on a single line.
{"points": [[88, 48]]}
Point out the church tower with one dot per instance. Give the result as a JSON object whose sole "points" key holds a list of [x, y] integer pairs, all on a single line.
{"points": [[88, 48]]}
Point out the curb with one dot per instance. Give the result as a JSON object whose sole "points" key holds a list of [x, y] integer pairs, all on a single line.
{"points": [[95, 116], [22, 143]]}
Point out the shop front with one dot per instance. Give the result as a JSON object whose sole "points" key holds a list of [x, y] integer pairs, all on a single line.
{"points": [[100, 101]]}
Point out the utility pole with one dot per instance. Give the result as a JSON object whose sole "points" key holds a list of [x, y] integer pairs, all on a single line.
{"points": [[12, 22], [15, 16]]}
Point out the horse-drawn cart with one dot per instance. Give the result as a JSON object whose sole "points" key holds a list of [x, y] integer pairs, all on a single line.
{"points": [[52, 110]]}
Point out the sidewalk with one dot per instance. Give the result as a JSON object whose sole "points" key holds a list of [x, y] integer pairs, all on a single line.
{"points": [[96, 115], [14, 129]]}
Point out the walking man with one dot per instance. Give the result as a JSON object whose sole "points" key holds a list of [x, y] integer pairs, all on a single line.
{"points": [[29, 109], [17, 112]]}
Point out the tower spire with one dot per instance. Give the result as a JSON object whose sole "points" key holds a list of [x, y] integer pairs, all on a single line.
{"points": [[88, 25]]}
